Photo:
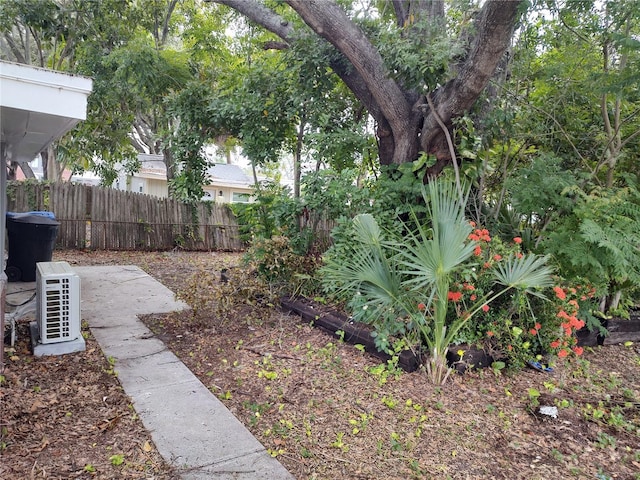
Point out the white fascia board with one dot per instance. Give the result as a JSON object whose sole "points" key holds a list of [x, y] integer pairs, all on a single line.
{"points": [[44, 91]]}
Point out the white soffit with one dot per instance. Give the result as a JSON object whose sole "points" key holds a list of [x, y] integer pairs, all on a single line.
{"points": [[38, 106]]}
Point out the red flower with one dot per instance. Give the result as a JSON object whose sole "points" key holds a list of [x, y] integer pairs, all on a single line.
{"points": [[560, 293], [537, 326], [490, 333], [517, 240], [563, 353], [477, 251], [519, 255], [473, 224], [533, 331], [578, 350], [421, 306], [555, 344], [454, 296], [497, 258], [485, 308], [473, 297], [468, 286]]}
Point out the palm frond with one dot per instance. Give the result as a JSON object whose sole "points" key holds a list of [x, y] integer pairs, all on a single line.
{"points": [[528, 272], [429, 252], [367, 231]]}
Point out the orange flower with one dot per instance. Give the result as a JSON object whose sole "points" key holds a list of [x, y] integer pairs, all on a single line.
{"points": [[454, 296], [485, 308], [490, 333], [560, 293], [473, 297], [519, 255], [578, 350], [473, 224], [563, 353], [533, 331], [421, 306], [555, 344], [537, 326], [517, 240], [477, 251], [497, 258]]}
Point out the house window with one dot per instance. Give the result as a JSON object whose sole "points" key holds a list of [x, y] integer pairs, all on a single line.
{"points": [[140, 188], [238, 197]]}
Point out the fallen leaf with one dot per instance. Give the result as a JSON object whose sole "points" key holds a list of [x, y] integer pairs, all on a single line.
{"points": [[44, 444], [36, 405], [147, 446]]}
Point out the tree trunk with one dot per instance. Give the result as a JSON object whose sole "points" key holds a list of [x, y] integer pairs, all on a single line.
{"points": [[24, 166], [50, 167], [297, 157]]}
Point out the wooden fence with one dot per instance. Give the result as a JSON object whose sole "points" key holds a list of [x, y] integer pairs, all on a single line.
{"points": [[106, 219]]}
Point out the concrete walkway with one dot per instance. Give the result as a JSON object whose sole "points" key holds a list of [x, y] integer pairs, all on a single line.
{"points": [[191, 428]]}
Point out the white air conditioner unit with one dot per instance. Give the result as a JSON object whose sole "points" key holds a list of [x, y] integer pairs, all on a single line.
{"points": [[58, 302]]}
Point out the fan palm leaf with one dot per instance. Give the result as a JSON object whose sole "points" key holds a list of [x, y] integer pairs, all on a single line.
{"points": [[528, 273]]}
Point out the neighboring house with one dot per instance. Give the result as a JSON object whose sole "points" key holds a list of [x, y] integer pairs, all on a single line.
{"points": [[227, 183]]}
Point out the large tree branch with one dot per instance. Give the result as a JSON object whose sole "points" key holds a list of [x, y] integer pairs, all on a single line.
{"points": [[330, 22], [258, 13], [494, 28], [276, 24], [14, 48]]}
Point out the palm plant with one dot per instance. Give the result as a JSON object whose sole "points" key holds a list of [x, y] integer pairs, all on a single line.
{"points": [[403, 284]]}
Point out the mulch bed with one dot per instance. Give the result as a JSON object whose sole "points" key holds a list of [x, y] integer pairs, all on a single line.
{"points": [[324, 408], [67, 417]]}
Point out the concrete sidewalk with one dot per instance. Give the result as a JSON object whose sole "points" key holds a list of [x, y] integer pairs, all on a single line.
{"points": [[191, 428]]}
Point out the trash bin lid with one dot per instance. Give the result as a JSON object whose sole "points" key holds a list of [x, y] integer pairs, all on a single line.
{"points": [[42, 213], [32, 218]]}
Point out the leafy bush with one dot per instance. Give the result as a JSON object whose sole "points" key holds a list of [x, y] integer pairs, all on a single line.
{"points": [[405, 285], [273, 212], [280, 267], [212, 300], [590, 232], [517, 326]]}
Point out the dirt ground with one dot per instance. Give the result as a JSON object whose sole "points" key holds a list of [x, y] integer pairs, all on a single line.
{"points": [[323, 407]]}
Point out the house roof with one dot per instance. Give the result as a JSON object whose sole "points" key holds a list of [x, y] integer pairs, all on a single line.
{"points": [[153, 166], [228, 173]]}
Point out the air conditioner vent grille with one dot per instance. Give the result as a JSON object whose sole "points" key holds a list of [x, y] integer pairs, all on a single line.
{"points": [[58, 296]]}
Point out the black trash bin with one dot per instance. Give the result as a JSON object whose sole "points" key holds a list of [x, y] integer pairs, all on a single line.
{"points": [[32, 237]]}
